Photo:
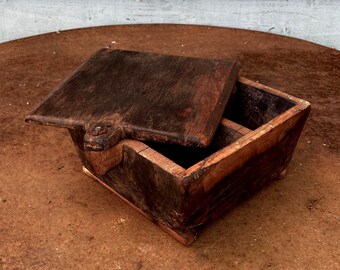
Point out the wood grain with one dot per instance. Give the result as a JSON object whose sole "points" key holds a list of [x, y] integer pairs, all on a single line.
{"points": [[144, 96], [181, 188]]}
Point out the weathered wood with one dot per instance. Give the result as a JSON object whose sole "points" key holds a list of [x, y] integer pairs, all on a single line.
{"points": [[235, 126], [118, 95], [181, 188], [222, 184], [185, 238], [145, 96], [186, 157], [252, 107]]}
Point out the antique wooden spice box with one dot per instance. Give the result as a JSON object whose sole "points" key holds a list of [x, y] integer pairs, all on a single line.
{"points": [[182, 140]]}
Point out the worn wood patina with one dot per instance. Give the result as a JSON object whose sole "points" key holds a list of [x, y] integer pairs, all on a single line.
{"points": [[138, 95], [178, 187]]}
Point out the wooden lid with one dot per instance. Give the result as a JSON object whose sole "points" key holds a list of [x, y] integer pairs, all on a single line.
{"points": [[146, 96]]}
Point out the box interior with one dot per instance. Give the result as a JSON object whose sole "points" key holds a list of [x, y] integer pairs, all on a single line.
{"points": [[249, 107], [252, 107]]}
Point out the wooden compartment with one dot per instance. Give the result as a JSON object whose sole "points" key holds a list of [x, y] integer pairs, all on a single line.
{"points": [[181, 188]]}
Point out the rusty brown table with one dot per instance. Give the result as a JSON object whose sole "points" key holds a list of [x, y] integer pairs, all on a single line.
{"points": [[53, 216]]}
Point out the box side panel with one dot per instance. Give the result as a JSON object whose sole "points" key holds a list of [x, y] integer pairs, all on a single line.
{"points": [[258, 170], [145, 184], [149, 187]]}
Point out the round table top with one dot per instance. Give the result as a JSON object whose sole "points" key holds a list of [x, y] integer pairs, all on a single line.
{"points": [[53, 216]]}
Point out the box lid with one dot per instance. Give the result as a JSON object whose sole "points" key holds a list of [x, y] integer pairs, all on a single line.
{"points": [[119, 94]]}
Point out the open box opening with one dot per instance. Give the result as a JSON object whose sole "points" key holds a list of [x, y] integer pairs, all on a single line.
{"points": [[248, 109]]}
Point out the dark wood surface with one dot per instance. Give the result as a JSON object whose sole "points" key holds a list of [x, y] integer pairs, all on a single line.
{"points": [[143, 96], [181, 188], [55, 217]]}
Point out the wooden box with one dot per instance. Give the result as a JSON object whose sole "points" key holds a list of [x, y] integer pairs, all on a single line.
{"points": [[191, 166], [181, 188]]}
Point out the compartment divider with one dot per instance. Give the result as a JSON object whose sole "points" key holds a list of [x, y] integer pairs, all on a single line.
{"points": [[235, 126]]}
